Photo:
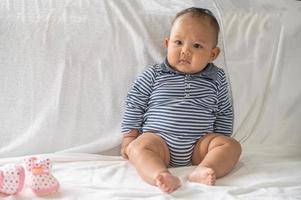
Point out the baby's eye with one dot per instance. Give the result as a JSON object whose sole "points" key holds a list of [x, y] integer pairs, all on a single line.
{"points": [[178, 42], [197, 46]]}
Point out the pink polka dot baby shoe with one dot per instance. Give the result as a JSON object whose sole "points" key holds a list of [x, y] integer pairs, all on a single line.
{"points": [[39, 178], [11, 179]]}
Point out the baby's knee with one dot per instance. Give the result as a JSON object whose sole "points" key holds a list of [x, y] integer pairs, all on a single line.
{"points": [[233, 144], [217, 140], [136, 147]]}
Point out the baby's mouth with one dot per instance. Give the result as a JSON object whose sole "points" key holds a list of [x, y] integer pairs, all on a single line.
{"points": [[184, 62]]}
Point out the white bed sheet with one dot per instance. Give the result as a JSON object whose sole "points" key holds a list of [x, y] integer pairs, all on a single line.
{"points": [[272, 175], [66, 66]]}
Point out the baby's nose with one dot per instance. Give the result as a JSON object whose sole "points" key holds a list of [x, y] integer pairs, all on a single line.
{"points": [[185, 51]]}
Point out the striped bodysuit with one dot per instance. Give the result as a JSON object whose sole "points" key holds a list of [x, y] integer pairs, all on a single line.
{"points": [[180, 108]]}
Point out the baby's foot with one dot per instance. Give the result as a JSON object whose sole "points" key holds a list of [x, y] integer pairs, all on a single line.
{"points": [[167, 182], [203, 175]]}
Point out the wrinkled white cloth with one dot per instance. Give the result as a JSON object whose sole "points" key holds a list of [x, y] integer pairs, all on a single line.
{"points": [[66, 67]]}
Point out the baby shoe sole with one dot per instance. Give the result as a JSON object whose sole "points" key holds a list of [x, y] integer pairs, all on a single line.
{"points": [[44, 192]]}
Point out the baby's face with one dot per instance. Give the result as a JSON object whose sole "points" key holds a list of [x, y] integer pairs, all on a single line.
{"points": [[191, 45]]}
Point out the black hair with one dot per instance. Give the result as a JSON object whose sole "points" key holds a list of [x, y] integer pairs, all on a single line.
{"points": [[200, 12]]}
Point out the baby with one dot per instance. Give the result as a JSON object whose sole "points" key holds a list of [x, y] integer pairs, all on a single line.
{"points": [[178, 112]]}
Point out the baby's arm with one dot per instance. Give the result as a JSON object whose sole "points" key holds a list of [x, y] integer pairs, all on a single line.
{"points": [[126, 140], [136, 105], [224, 117]]}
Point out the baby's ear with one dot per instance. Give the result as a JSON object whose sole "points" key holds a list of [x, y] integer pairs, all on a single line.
{"points": [[214, 53], [165, 42]]}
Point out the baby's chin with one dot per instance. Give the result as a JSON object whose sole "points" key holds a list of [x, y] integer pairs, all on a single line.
{"points": [[185, 69]]}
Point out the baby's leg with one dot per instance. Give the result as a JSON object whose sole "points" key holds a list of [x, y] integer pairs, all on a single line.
{"points": [[150, 156], [215, 156]]}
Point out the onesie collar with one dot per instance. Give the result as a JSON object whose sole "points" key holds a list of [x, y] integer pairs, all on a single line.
{"points": [[210, 71]]}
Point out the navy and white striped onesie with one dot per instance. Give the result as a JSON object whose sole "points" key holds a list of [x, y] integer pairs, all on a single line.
{"points": [[181, 108]]}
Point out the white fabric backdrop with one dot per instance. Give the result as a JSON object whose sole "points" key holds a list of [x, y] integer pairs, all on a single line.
{"points": [[66, 66], [263, 51]]}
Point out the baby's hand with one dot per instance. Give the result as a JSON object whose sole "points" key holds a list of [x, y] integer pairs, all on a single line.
{"points": [[124, 145], [127, 139]]}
